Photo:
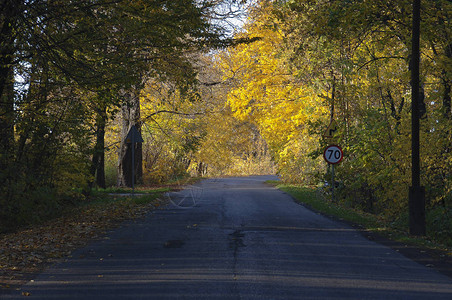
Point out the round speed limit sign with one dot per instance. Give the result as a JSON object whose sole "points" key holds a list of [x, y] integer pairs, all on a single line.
{"points": [[333, 154]]}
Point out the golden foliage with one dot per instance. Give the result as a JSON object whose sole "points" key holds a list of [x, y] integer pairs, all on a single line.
{"points": [[266, 93]]}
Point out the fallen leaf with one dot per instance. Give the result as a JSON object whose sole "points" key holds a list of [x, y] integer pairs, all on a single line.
{"points": [[29, 251]]}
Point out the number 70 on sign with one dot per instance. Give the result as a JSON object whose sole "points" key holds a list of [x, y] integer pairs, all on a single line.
{"points": [[333, 154]]}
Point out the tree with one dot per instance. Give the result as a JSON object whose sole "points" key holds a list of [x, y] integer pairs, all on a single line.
{"points": [[62, 68], [348, 60], [364, 48], [265, 92], [189, 130]]}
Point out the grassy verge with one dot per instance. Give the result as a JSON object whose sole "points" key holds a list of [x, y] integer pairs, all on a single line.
{"points": [[312, 198], [141, 196]]}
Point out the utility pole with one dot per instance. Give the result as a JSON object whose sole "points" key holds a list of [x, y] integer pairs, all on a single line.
{"points": [[417, 192]]}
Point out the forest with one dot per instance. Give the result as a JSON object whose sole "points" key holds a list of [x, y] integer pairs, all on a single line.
{"points": [[221, 88]]}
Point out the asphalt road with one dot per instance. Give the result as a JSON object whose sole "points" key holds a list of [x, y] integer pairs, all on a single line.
{"points": [[236, 238]]}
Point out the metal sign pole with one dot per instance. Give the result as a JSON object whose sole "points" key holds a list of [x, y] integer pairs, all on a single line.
{"points": [[132, 144], [332, 183], [333, 154]]}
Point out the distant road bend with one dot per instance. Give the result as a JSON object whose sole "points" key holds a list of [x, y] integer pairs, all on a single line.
{"points": [[236, 238]]}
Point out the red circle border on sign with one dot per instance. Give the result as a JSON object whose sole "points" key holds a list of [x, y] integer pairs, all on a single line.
{"points": [[340, 149]]}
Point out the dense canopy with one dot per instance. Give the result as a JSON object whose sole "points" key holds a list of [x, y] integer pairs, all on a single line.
{"points": [[211, 101]]}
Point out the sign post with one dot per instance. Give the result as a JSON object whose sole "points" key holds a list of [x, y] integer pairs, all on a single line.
{"points": [[333, 155], [132, 138]]}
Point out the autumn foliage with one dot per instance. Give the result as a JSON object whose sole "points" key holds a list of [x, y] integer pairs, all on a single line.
{"points": [[349, 61], [211, 105]]}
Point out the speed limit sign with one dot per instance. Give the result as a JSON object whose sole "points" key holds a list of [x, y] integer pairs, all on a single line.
{"points": [[333, 154]]}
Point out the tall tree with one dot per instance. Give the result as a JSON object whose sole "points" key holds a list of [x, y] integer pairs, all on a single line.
{"points": [[267, 93], [183, 28], [62, 67], [355, 55]]}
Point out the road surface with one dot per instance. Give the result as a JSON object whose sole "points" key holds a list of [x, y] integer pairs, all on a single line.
{"points": [[236, 238]]}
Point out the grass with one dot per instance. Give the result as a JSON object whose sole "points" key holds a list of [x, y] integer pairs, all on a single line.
{"points": [[312, 198], [141, 191], [139, 197]]}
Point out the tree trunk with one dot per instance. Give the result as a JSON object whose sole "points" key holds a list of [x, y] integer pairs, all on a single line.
{"points": [[130, 115], [98, 160], [447, 86], [10, 11], [447, 99], [7, 122], [100, 170]]}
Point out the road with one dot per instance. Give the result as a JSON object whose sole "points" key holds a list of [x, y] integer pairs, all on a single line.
{"points": [[236, 238]]}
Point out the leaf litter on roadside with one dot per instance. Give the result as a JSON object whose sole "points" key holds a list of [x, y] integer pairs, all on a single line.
{"points": [[28, 251]]}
